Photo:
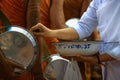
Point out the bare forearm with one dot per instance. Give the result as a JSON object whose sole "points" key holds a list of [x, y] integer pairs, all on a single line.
{"points": [[66, 34], [33, 13], [57, 14], [94, 59], [33, 17]]}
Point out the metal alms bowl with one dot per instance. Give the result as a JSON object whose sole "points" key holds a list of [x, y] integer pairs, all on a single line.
{"points": [[72, 48], [20, 46], [56, 67]]}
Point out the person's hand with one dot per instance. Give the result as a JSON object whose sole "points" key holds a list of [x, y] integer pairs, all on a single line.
{"points": [[41, 30], [89, 59], [7, 67]]}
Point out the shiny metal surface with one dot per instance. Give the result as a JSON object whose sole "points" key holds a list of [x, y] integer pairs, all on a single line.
{"points": [[56, 68], [19, 45]]}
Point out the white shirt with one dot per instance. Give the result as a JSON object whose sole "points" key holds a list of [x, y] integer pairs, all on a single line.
{"points": [[106, 15]]}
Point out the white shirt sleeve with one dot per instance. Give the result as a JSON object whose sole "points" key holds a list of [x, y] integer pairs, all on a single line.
{"points": [[88, 21]]}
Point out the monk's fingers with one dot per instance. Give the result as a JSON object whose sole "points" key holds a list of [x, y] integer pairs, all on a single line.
{"points": [[76, 58], [15, 64]]}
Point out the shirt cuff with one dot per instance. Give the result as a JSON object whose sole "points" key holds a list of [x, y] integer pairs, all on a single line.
{"points": [[79, 31]]}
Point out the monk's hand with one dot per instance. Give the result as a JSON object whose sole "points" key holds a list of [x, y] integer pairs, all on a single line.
{"points": [[7, 67]]}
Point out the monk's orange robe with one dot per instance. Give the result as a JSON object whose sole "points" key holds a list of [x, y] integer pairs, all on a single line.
{"points": [[45, 19], [15, 12]]}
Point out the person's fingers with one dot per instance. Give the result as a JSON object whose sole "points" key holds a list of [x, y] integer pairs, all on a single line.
{"points": [[5, 67], [37, 34], [15, 65], [70, 57], [37, 28], [34, 27], [77, 58], [67, 57]]}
